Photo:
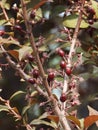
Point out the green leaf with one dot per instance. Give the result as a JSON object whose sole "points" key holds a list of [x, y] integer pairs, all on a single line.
{"points": [[94, 5], [57, 10], [24, 51], [3, 21], [9, 41], [3, 108], [95, 25], [38, 14], [18, 93], [71, 21], [39, 122], [34, 93], [7, 6], [44, 115], [43, 48], [25, 109]]}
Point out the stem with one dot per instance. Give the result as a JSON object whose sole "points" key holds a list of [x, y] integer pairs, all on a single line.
{"points": [[16, 115], [58, 112], [73, 42], [4, 12]]}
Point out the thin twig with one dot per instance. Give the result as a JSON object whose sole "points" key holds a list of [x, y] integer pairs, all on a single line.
{"points": [[73, 42], [12, 111], [4, 12]]}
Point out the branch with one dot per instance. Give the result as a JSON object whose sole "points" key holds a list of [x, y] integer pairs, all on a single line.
{"points": [[21, 72], [58, 112], [73, 42]]}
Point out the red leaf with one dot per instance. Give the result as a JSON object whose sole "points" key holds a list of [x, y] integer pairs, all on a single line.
{"points": [[88, 121], [14, 53], [54, 118], [92, 111], [41, 3]]}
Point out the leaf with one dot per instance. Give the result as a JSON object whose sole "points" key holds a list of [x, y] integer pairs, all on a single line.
{"points": [[38, 122], [44, 115], [25, 109], [3, 21], [93, 112], [95, 7], [9, 41], [14, 53], [7, 6], [95, 25], [57, 10], [54, 118], [88, 121], [74, 119], [38, 14], [34, 93], [71, 21], [41, 3], [24, 51], [3, 108], [43, 48], [18, 93]]}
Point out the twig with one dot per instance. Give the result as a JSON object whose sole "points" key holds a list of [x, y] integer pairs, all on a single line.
{"points": [[4, 12], [58, 112], [12, 111], [73, 42]]}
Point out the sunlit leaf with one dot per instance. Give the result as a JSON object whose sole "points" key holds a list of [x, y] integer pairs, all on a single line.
{"points": [[74, 119], [44, 115], [25, 50], [25, 109], [88, 121], [34, 93], [39, 122], [9, 41], [82, 123], [43, 48], [3, 21], [94, 5], [38, 14], [71, 21], [3, 108], [7, 6], [95, 25], [18, 93]]}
